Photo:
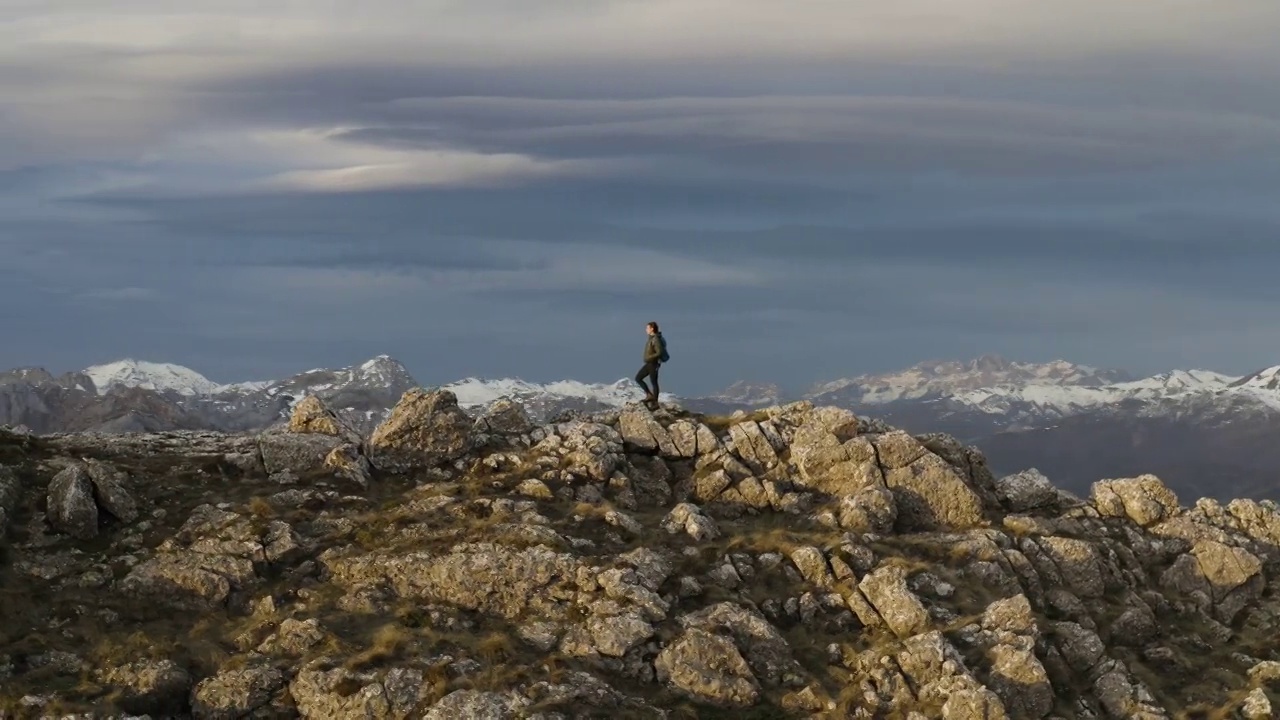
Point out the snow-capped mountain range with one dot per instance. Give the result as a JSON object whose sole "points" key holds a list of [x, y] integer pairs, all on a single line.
{"points": [[379, 372], [1075, 422], [949, 377], [990, 385]]}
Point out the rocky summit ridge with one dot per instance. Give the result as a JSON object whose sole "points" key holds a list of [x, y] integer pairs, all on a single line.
{"points": [[794, 561]]}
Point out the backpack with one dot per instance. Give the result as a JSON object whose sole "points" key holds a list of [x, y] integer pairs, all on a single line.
{"points": [[664, 357]]}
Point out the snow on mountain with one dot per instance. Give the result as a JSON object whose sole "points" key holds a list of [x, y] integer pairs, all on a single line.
{"points": [[1178, 380], [149, 376], [244, 387], [479, 392], [1265, 379], [944, 378], [1171, 393]]}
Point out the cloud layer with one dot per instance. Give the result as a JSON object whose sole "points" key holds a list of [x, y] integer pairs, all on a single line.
{"points": [[796, 190]]}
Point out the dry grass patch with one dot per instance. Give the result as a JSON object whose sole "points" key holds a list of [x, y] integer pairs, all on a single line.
{"points": [[260, 508], [388, 644]]}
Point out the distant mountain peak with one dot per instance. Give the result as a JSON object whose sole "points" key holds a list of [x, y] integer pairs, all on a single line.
{"points": [[160, 377], [1264, 379], [938, 378]]}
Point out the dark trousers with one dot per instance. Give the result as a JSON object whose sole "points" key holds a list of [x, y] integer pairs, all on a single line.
{"points": [[649, 370]]}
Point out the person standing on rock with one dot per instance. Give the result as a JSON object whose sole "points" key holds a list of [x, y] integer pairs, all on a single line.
{"points": [[655, 353]]}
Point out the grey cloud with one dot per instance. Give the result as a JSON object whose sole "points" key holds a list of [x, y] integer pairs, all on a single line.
{"points": [[802, 193]]}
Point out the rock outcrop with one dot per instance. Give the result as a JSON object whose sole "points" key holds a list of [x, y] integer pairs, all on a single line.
{"points": [[424, 429], [794, 562]]}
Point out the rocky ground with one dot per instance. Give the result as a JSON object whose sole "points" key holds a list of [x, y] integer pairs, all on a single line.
{"points": [[796, 562]]}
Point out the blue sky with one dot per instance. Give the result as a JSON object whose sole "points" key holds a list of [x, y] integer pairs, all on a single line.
{"points": [[796, 191]]}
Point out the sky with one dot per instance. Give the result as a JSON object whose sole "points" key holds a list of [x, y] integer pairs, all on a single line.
{"points": [[499, 188]]}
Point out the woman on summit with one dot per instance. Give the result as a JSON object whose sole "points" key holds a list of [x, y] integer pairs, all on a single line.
{"points": [[655, 353]]}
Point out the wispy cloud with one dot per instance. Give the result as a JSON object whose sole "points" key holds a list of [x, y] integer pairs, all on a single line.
{"points": [[865, 182]]}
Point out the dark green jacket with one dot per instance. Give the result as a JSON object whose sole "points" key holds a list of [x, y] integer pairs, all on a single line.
{"points": [[653, 348]]}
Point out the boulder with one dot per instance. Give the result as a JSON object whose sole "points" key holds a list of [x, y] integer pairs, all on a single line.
{"points": [[1230, 578], [1144, 499], [641, 431], [189, 580], [692, 439], [71, 507], [425, 429], [505, 417], [752, 445], [1021, 682], [236, 693], [708, 667], [311, 415], [347, 461], [830, 466], [110, 492], [296, 453], [343, 693], [930, 494], [688, 518], [591, 450], [477, 705], [886, 590], [149, 687], [766, 651], [1025, 491]]}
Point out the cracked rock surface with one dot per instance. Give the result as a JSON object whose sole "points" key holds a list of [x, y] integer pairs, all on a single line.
{"points": [[796, 562]]}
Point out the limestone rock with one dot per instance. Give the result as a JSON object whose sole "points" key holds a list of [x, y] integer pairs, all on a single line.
{"points": [[311, 415], [692, 439], [110, 491], [347, 461], [615, 636], [296, 453], [1027, 490], [886, 589], [574, 569], [293, 638], [72, 508], [1144, 499], [1078, 563], [930, 494], [425, 429], [841, 423], [189, 580], [1257, 706], [708, 667], [642, 431], [505, 417], [869, 510], [767, 652], [591, 450], [1021, 682], [150, 687], [476, 705], [689, 519], [479, 576], [235, 693], [838, 469], [328, 693], [753, 446]]}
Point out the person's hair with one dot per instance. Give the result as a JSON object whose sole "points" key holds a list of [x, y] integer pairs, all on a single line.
{"points": [[654, 325]]}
